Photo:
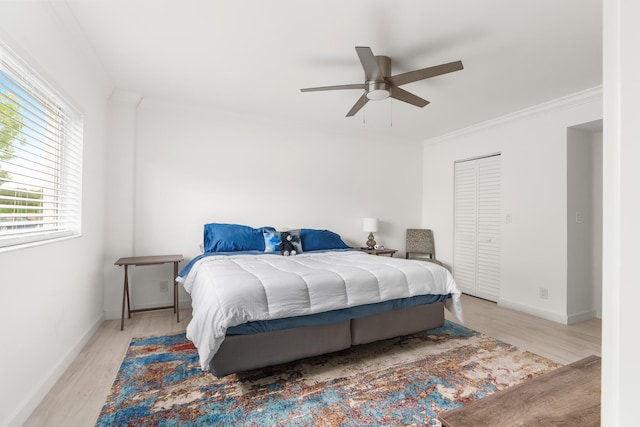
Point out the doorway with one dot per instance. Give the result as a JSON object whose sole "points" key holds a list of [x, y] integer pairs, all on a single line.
{"points": [[584, 221]]}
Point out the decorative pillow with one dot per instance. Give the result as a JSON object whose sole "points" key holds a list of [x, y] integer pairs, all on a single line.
{"points": [[273, 238], [315, 240], [233, 238]]}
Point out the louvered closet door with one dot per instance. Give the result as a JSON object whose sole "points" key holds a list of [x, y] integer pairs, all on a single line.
{"points": [[466, 226], [477, 227]]}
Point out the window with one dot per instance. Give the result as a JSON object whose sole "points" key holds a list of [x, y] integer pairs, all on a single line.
{"points": [[40, 157]]}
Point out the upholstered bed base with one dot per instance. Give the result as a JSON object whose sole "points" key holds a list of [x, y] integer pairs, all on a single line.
{"points": [[244, 352]]}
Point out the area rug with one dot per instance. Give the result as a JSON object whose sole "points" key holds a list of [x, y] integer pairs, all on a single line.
{"points": [[405, 381]]}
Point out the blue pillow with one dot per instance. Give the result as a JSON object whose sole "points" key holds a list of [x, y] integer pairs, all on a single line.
{"points": [[273, 238], [315, 240], [232, 238]]}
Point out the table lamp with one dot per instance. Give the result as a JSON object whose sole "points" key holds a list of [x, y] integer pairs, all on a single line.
{"points": [[370, 225]]}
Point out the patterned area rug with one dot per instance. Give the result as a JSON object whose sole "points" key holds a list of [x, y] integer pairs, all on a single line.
{"points": [[404, 381]]}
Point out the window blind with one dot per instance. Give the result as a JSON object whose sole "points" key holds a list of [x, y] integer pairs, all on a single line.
{"points": [[40, 157]]}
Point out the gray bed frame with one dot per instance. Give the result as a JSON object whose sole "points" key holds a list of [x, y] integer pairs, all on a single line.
{"points": [[245, 352]]}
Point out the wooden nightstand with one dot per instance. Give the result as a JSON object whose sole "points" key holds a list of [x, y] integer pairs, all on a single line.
{"points": [[149, 260], [389, 252]]}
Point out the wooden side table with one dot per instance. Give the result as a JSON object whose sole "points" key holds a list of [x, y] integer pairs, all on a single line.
{"points": [[389, 252], [149, 260]]}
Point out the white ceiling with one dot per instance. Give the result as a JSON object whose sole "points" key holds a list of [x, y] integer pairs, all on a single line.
{"points": [[253, 56]]}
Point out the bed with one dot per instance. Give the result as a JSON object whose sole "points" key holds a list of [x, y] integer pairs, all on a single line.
{"points": [[254, 307]]}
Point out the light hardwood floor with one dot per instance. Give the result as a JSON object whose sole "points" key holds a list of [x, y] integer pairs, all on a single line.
{"points": [[77, 398], [561, 343]]}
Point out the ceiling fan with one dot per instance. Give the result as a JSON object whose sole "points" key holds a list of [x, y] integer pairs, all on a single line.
{"points": [[380, 84]]}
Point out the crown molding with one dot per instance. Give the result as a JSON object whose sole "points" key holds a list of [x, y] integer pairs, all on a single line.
{"points": [[572, 100]]}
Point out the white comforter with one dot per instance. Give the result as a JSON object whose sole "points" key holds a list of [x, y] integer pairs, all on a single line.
{"points": [[231, 290]]}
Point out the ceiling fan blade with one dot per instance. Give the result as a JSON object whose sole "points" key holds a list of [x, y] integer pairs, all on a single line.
{"points": [[358, 105], [425, 73], [408, 97], [339, 87], [372, 71]]}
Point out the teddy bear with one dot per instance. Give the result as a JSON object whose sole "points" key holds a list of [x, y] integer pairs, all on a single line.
{"points": [[286, 246]]}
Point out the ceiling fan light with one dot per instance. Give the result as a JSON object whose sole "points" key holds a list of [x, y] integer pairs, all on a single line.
{"points": [[378, 94], [377, 91]]}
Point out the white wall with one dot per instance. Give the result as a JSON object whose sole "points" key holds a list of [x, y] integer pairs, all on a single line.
{"points": [[119, 191], [621, 151], [195, 165], [533, 145], [52, 295]]}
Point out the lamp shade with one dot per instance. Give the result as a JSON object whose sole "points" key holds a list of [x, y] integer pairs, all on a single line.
{"points": [[370, 225]]}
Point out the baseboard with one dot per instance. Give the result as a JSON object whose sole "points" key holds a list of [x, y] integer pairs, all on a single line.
{"points": [[544, 314], [581, 317], [31, 402]]}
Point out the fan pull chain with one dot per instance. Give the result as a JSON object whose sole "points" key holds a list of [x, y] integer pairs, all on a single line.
{"points": [[391, 113]]}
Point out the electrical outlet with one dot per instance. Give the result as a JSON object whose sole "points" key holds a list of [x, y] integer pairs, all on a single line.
{"points": [[164, 286], [544, 293]]}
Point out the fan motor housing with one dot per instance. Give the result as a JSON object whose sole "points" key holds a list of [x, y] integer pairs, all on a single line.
{"points": [[384, 62], [378, 90]]}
